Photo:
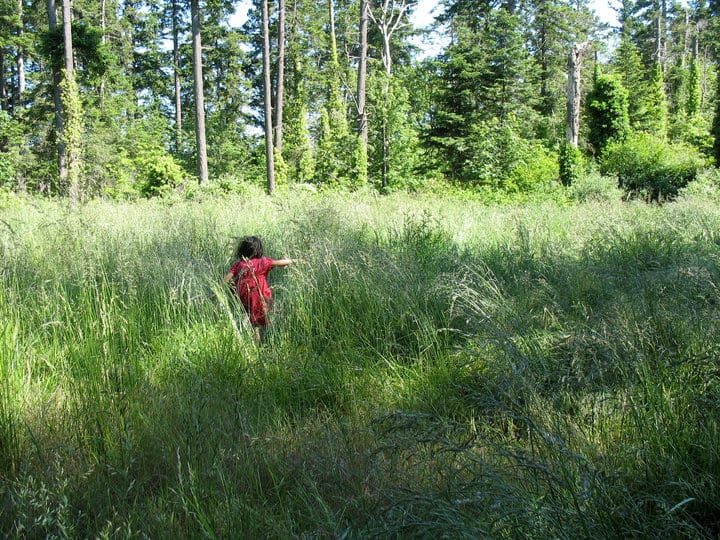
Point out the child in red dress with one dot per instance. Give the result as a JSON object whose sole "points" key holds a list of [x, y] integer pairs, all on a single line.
{"points": [[248, 275]]}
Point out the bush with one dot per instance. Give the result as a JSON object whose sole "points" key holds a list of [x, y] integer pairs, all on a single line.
{"points": [[595, 187], [651, 167], [159, 172], [502, 159]]}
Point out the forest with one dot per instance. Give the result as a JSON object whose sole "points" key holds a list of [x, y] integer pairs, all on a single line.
{"points": [[136, 99]]}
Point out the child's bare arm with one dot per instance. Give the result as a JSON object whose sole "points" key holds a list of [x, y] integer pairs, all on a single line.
{"points": [[286, 262]]}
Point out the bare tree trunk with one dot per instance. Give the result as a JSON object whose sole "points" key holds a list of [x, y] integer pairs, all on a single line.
{"points": [[391, 18], [280, 92], [199, 94], [67, 38], [362, 74], [269, 159], [176, 76], [103, 28], [574, 92]]}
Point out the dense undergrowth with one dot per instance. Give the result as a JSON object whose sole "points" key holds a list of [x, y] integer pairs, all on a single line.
{"points": [[438, 368]]}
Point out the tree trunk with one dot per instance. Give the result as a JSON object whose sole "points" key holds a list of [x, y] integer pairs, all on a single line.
{"points": [[269, 159], [199, 94], [176, 76], [103, 29], [67, 38], [71, 134], [20, 62], [333, 38], [280, 93], [3, 87], [574, 92], [59, 123], [362, 74]]}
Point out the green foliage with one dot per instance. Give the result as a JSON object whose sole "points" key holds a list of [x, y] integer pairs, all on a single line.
{"points": [[716, 126], [692, 105], [705, 187], [607, 112], [297, 144], [651, 167], [482, 88], [158, 173], [7, 171], [93, 55], [629, 70], [8, 140], [571, 164], [336, 158], [503, 160], [656, 121], [593, 187], [396, 121], [72, 134], [281, 168], [695, 131]]}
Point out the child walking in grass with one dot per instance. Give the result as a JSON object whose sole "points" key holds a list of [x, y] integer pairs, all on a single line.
{"points": [[248, 276]]}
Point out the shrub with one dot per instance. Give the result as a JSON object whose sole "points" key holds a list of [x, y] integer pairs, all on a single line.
{"points": [[595, 187], [646, 165], [159, 172], [502, 159], [535, 171]]}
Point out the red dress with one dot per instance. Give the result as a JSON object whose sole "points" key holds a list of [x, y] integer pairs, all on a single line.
{"points": [[251, 285]]}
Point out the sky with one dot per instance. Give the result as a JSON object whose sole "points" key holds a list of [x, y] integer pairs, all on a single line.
{"points": [[423, 16]]}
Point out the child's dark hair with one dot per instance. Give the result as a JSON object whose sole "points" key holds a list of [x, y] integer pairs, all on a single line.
{"points": [[249, 247]]}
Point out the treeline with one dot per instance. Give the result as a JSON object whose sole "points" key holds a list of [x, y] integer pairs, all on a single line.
{"points": [[127, 98]]}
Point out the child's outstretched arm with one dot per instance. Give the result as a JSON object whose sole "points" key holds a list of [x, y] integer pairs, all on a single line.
{"points": [[286, 262]]}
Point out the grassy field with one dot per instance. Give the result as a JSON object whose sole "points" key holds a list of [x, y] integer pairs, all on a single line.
{"points": [[437, 369]]}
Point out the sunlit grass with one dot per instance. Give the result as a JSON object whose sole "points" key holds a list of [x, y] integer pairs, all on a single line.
{"points": [[437, 368]]}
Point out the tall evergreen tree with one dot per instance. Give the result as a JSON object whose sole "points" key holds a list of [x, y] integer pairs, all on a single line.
{"points": [[485, 79], [607, 112]]}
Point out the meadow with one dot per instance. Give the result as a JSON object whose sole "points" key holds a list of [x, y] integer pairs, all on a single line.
{"points": [[439, 368]]}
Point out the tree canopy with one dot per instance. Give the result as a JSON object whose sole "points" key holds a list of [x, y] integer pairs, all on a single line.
{"points": [[487, 112]]}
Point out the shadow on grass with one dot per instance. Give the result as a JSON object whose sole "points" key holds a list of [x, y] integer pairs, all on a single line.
{"points": [[410, 387]]}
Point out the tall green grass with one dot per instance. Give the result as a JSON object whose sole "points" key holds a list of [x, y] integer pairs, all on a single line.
{"points": [[437, 368]]}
